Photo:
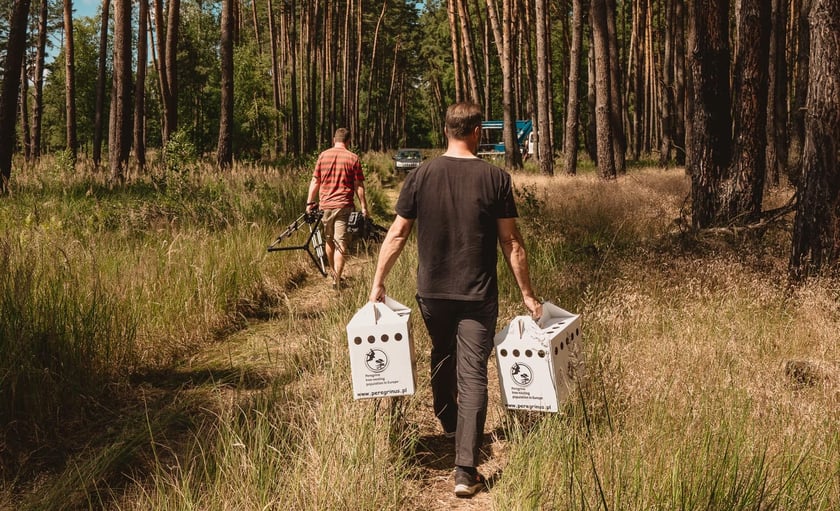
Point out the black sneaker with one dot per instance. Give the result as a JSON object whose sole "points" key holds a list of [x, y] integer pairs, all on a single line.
{"points": [[466, 484]]}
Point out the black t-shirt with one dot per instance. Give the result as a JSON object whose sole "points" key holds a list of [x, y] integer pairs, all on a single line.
{"points": [[456, 202]]}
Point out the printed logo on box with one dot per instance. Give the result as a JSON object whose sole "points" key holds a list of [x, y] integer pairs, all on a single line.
{"points": [[521, 374], [376, 360]]}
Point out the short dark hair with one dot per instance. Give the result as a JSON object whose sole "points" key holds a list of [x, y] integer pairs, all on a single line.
{"points": [[462, 118], [341, 135]]}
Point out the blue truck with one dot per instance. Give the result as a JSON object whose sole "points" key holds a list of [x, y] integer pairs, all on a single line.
{"points": [[493, 141]]}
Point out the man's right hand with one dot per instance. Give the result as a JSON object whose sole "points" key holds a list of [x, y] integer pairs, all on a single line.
{"points": [[377, 294], [534, 307]]}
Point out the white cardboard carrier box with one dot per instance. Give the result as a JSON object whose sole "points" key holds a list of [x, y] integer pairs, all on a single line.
{"points": [[537, 360], [381, 349]]}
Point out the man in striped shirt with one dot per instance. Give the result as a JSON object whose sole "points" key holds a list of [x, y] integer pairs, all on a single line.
{"points": [[337, 176]]}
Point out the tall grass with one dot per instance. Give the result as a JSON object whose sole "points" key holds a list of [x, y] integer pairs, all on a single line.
{"points": [[685, 405], [62, 334], [688, 405], [100, 284]]}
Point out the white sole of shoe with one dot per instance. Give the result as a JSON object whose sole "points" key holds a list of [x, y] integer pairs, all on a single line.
{"points": [[463, 490]]}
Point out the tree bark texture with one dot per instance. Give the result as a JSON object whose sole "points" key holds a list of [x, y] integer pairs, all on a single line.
{"points": [[777, 95], [140, 84], [711, 144], [170, 63], [119, 144], [71, 142], [742, 192], [679, 81], [469, 52], [544, 149], [15, 48], [38, 93], [24, 112], [99, 107], [816, 232], [224, 152], [800, 85], [603, 119], [572, 107], [619, 142]]}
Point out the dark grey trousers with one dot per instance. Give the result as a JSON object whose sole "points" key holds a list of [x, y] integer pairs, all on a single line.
{"points": [[462, 340]]}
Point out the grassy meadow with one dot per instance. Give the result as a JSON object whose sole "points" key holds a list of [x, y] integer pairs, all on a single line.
{"points": [[153, 355]]}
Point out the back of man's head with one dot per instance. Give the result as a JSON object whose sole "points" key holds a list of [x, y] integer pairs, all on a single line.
{"points": [[462, 118], [341, 135]]}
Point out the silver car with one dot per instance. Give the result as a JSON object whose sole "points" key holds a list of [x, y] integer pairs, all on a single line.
{"points": [[407, 160]]}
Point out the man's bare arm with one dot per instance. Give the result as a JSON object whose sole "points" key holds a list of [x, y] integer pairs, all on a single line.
{"points": [[312, 195], [360, 193], [391, 248], [513, 249]]}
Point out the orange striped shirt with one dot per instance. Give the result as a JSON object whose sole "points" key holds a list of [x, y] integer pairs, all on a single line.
{"points": [[337, 172]]}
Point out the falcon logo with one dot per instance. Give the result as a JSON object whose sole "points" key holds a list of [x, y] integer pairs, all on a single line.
{"points": [[376, 360], [521, 374]]}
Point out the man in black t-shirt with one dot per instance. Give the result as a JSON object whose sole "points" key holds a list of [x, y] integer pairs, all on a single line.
{"points": [[463, 207]]}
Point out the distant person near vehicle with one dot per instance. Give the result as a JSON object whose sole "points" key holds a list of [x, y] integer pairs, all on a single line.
{"points": [[337, 176], [463, 206]]}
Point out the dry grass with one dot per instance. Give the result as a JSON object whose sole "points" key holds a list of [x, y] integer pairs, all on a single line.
{"points": [[689, 337]]}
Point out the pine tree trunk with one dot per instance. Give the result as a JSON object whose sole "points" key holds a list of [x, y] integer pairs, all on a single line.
{"points": [[24, 112], [572, 107], [777, 95], [529, 76], [679, 82], [170, 100], [356, 129], [99, 108], [160, 66], [603, 120], [469, 53], [591, 138], [619, 141], [15, 48], [119, 143], [639, 81], [513, 157], [816, 231], [38, 93], [488, 105], [544, 150], [666, 104], [255, 20], [688, 121], [72, 144], [224, 150], [742, 194], [452, 14], [140, 84], [797, 111], [711, 142]]}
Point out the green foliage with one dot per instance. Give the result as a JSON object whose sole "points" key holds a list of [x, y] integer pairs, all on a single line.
{"points": [[63, 164], [198, 76], [254, 111], [529, 201], [86, 49], [179, 153]]}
